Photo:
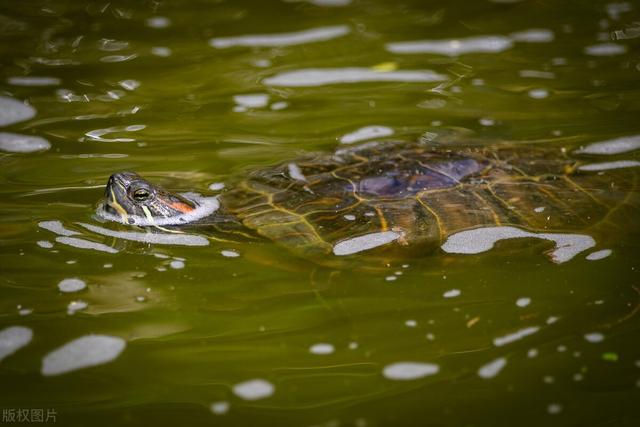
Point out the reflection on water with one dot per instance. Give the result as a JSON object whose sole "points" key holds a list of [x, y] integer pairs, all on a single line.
{"points": [[613, 146], [328, 76], [602, 166], [13, 339], [33, 81], [13, 111], [83, 352], [483, 44], [367, 132], [403, 371], [483, 239], [114, 325], [282, 39], [15, 143]]}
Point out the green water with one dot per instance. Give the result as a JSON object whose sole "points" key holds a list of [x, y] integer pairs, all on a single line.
{"points": [[192, 334]]}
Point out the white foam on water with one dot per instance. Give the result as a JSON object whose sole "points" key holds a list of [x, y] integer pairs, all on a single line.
{"points": [[598, 255], [13, 111], [594, 337], [322, 348], [364, 133], [295, 172], [605, 49], [349, 217], [150, 237], [452, 293], [252, 100], [480, 240], [86, 244], [76, 306], [411, 323], [220, 408], [453, 47], [603, 166], [281, 39], [33, 81], [254, 389], [13, 339], [612, 146], [533, 35], [57, 228], [83, 352], [523, 302], [407, 371], [327, 76], [518, 335], [72, 285], [493, 368], [16, 143], [364, 243], [229, 253], [44, 244], [204, 206]]}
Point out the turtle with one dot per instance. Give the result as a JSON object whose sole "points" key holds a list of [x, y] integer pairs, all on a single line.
{"points": [[390, 196]]}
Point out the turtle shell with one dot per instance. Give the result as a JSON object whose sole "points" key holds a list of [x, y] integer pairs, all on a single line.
{"points": [[396, 194]]}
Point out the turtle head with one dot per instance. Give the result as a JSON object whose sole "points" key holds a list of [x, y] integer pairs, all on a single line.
{"points": [[137, 201]]}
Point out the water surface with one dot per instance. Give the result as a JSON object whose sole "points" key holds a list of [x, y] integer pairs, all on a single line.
{"points": [[108, 328]]}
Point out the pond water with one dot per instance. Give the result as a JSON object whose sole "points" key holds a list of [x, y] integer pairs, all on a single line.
{"points": [[100, 326]]}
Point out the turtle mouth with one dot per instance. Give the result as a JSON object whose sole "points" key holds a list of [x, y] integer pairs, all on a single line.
{"points": [[106, 210], [109, 209]]}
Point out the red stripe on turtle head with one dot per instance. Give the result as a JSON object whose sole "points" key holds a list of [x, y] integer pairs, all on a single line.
{"points": [[182, 207]]}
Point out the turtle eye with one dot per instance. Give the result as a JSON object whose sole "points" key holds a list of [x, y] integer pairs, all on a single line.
{"points": [[141, 194]]}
